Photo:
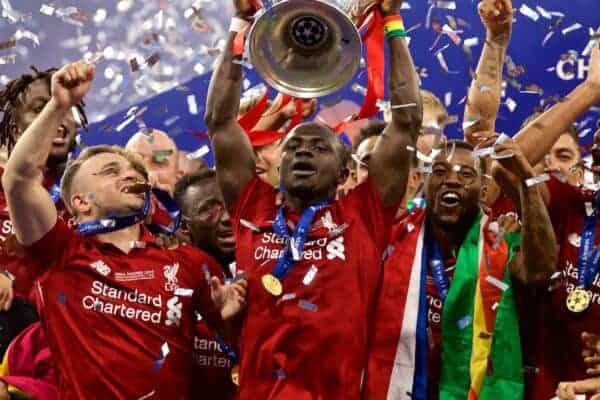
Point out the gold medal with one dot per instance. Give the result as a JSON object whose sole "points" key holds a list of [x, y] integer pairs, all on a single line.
{"points": [[272, 285], [235, 375], [579, 300]]}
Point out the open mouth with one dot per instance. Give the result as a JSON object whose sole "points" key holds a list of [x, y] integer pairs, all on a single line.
{"points": [[302, 169], [450, 199], [61, 136], [136, 188], [260, 171]]}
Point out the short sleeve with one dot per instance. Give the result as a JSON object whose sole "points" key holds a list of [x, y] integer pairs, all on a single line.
{"points": [[366, 201], [55, 245], [257, 198]]}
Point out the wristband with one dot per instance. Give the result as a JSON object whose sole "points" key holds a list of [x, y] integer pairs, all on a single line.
{"points": [[394, 27], [238, 24]]}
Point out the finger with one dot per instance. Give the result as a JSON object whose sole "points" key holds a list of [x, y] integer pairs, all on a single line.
{"points": [[240, 291], [585, 386], [595, 397], [9, 300], [242, 282], [215, 284], [592, 359], [593, 371]]}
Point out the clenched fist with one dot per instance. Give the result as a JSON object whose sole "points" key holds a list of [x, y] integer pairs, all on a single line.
{"points": [[71, 83], [497, 16]]}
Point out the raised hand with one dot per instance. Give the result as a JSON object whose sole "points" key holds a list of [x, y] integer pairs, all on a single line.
{"points": [[244, 8], [570, 390], [390, 7], [229, 299], [594, 72], [71, 83], [497, 16]]}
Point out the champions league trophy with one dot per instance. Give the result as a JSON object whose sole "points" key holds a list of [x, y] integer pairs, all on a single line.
{"points": [[308, 48]]}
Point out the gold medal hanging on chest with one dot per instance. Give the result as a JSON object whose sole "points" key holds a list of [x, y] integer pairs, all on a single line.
{"points": [[579, 300], [235, 375], [272, 285]]}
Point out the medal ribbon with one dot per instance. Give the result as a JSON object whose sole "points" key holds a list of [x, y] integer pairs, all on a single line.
{"points": [[172, 209], [295, 242], [437, 266], [585, 260], [227, 349], [111, 224]]}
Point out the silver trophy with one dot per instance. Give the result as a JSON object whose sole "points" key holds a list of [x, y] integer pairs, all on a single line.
{"points": [[307, 48]]}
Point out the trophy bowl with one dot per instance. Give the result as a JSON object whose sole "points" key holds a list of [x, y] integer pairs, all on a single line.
{"points": [[307, 48]]}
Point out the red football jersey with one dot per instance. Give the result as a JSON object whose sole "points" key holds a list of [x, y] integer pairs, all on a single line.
{"points": [[120, 325], [310, 342], [211, 368], [555, 354], [25, 269]]}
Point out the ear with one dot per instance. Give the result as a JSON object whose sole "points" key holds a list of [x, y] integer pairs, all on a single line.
{"points": [[343, 177], [81, 204]]}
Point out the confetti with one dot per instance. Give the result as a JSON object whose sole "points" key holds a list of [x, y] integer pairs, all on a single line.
{"points": [[571, 28], [307, 305], [192, 106], [537, 180], [492, 280], [184, 292], [201, 152], [310, 275], [529, 13], [464, 322], [249, 225]]}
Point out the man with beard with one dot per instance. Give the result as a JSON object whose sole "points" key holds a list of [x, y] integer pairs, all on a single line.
{"points": [[313, 264], [208, 225], [446, 316], [448, 265], [21, 100], [108, 274]]}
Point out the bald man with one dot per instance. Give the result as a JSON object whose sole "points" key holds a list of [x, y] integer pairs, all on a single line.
{"points": [[161, 157]]}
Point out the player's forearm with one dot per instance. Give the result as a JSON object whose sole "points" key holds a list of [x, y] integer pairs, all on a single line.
{"points": [[224, 92], [538, 137], [30, 154], [538, 242], [484, 94], [405, 97]]}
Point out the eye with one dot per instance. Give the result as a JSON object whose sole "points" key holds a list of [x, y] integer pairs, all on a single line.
{"points": [[467, 173], [439, 171], [320, 149]]}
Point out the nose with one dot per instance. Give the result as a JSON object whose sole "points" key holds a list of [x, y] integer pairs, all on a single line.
{"points": [[453, 178]]}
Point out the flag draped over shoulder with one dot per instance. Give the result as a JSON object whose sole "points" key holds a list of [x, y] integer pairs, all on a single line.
{"points": [[481, 349]]}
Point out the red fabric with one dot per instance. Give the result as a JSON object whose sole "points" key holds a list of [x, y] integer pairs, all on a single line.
{"points": [[502, 205], [249, 120], [388, 318], [108, 314], [390, 309], [288, 352], [556, 351], [211, 369], [25, 269], [374, 40], [30, 365], [263, 138]]}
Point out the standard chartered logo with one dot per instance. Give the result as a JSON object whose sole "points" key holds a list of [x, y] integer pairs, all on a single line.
{"points": [[123, 303], [174, 311]]}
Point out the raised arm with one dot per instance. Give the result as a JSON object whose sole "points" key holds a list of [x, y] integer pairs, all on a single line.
{"points": [[484, 94], [536, 260], [31, 209], [234, 157], [390, 161], [538, 137]]}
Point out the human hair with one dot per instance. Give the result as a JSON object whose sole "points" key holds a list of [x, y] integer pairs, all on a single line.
{"points": [[73, 167], [191, 179], [433, 102], [453, 144], [11, 98], [373, 128]]}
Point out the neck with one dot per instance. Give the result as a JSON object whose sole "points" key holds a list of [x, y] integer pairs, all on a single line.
{"points": [[122, 238], [300, 203], [450, 237]]}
